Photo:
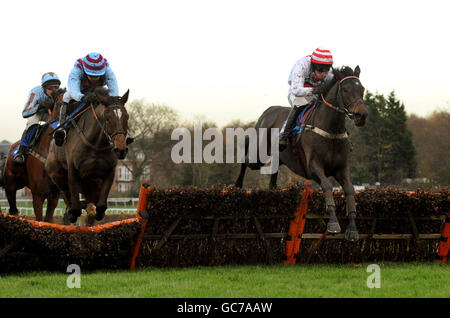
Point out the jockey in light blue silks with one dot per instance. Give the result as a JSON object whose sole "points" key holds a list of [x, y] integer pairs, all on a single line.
{"points": [[89, 72], [37, 107], [306, 81]]}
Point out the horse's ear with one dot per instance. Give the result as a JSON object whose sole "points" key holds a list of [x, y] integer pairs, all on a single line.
{"points": [[124, 98], [357, 71], [337, 74]]}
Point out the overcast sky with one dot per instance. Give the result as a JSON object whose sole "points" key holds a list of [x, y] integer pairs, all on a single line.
{"points": [[224, 60]]}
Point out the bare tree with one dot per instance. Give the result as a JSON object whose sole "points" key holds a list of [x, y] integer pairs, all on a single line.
{"points": [[149, 155]]}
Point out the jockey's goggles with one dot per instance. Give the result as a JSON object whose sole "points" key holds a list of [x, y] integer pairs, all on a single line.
{"points": [[323, 68]]}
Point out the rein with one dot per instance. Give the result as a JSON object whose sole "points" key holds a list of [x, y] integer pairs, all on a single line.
{"points": [[341, 107], [83, 136]]}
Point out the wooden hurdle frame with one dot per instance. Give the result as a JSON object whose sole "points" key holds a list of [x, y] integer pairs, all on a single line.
{"points": [[293, 238]]}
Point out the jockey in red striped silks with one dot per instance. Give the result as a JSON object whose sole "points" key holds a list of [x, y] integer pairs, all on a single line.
{"points": [[89, 72], [36, 109], [306, 82]]}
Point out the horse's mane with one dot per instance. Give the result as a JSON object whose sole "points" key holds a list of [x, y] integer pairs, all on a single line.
{"points": [[103, 93], [344, 70]]}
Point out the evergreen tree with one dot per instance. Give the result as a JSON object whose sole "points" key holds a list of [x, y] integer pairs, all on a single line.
{"points": [[383, 148]]}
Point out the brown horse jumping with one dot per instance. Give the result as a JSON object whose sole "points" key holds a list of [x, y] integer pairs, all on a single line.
{"points": [[322, 149], [86, 163], [33, 174]]}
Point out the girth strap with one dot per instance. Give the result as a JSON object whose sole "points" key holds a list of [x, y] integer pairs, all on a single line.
{"points": [[37, 156], [326, 134]]}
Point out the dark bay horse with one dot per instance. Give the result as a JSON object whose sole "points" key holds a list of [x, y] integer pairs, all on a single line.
{"points": [[322, 149], [33, 174], [86, 162]]}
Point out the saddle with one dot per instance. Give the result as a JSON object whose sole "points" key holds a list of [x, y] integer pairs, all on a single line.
{"points": [[32, 137], [72, 115]]}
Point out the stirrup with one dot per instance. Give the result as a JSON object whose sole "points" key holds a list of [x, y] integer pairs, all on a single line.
{"points": [[59, 137], [284, 141]]}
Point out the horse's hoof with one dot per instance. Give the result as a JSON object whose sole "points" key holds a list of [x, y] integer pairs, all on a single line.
{"points": [[90, 220], [351, 235], [333, 227], [99, 216], [73, 216], [66, 219], [83, 204]]}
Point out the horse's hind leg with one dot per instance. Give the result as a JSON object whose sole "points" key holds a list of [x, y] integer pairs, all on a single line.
{"points": [[343, 177], [273, 180], [240, 180]]}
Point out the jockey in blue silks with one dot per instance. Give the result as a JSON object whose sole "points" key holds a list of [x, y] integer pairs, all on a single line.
{"points": [[89, 72], [37, 108]]}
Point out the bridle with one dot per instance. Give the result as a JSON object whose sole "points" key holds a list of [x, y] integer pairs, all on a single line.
{"points": [[341, 107], [110, 137]]}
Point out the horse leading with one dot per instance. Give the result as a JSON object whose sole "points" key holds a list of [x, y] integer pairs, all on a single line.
{"points": [[322, 149]]}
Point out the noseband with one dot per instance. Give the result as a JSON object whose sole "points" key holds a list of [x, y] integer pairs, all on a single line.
{"points": [[341, 107]]}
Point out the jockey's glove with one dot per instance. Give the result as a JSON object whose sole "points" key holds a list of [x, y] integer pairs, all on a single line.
{"points": [[318, 90], [89, 98]]}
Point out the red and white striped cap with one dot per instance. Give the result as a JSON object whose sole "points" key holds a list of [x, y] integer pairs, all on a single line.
{"points": [[322, 56]]}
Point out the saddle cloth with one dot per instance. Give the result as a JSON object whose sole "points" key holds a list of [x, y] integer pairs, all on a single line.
{"points": [[28, 140], [73, 114], [298, 123]]}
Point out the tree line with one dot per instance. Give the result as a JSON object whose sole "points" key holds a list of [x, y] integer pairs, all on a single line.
{"points": [[391, 146]]}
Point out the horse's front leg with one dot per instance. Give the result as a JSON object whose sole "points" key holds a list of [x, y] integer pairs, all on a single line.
{"points": [[343, 177], [327, 187], [74, 195], [38, 203], [52, 203], [102, 203]]}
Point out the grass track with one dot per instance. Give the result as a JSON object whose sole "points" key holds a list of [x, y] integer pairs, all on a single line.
{"points": [[402, 280]]}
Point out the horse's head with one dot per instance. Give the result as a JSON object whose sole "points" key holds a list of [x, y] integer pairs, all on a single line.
{"points": [[57, 96], [350, 93], [115, 117]]}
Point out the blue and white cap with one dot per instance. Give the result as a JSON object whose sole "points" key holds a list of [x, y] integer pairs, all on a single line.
{"points": [[50, 78]]}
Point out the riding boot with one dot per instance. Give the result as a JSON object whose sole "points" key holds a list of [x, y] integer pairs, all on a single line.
{"points": [[60, 133], [19, 158], [290, 124]]}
